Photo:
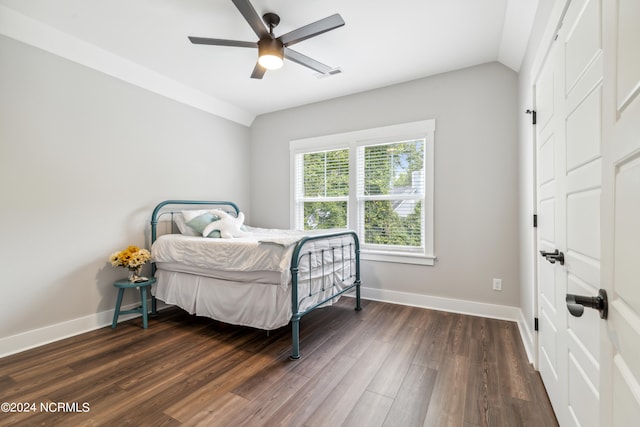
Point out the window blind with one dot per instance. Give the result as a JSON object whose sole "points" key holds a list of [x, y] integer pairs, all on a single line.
{"points": [[322, 189], [391, 190]]}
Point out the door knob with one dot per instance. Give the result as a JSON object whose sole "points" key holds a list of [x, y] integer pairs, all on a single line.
{"points": [[554, 256], [577, 303]]}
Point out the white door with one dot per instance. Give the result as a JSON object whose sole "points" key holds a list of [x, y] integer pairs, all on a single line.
{"points": [[569, 175], [620, 334]]}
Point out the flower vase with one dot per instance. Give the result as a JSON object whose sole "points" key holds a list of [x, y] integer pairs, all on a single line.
{"points": [[134, 276]]}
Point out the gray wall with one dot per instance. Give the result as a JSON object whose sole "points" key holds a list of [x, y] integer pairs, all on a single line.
{"points": [[476, 183], [84, 158]]}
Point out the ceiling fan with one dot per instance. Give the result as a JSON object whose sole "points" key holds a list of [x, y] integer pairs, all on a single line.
{"points": [[271, 49]]}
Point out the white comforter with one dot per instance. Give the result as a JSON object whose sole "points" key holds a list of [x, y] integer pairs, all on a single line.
{"points": [[264, 250]]}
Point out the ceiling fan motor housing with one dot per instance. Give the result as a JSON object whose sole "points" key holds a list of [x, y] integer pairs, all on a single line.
{"points": [[266, 46], [273, 49]]}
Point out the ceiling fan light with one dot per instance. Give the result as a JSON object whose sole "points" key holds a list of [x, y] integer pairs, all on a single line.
{"points": [[270, 62], [270, 54]]}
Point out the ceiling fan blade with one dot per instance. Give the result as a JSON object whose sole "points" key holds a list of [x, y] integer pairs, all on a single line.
{"points": [[258, 71], [252, 17], [301, 59], [322, 26], [222, 42]]}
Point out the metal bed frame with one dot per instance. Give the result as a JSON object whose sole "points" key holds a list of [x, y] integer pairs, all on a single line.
{"points": [[301, 252]]}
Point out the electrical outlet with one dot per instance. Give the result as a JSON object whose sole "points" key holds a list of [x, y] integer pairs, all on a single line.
{"points": [[497, 284]]}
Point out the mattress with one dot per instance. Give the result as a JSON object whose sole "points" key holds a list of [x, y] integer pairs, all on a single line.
{"points": [[264, 250]]}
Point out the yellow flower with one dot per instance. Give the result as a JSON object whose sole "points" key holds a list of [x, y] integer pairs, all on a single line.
{"points": [[114, 259], [132, 257]]}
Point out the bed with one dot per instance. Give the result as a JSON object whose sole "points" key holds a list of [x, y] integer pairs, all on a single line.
{"points": [[264, 279]]}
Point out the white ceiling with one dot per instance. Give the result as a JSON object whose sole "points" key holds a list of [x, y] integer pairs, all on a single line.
{"points": [[382, 43]]}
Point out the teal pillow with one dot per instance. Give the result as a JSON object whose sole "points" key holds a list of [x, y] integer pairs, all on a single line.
{"points": [[199, 223]]}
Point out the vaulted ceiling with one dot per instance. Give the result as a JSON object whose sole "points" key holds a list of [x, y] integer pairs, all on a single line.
{"points": [[382, 43]]}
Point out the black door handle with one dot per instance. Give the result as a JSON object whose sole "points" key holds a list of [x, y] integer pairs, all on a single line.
{"points": [[554, 256], [577, 303]]}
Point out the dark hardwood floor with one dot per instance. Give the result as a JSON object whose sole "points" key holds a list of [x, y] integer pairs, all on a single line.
{"points": [[388, 365]]}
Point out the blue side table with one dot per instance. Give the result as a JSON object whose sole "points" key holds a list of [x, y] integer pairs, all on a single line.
{"points": [[126, 284]]}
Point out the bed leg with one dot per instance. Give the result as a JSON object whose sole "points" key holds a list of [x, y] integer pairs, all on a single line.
{"points": [[358, 306], [295, 331], [154, 311]]}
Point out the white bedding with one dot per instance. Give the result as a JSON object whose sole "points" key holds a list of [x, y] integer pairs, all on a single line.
{"points": [[267, 277], [263, 250], [257, 305], [246, 281]]}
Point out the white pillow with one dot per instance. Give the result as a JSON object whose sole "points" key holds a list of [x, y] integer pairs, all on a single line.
{"points": [[189, 215], [181, 220]]}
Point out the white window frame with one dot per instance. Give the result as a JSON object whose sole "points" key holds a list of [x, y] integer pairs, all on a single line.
{"points": [[424, 129]]}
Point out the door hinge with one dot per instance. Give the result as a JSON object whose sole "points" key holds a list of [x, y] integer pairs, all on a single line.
{"points": [[535, 323], [533, 116], [535, 221]]}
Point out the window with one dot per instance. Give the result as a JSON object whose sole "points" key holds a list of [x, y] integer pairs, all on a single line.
{"points": [[378, 182], [391, 194], [324, 189]]}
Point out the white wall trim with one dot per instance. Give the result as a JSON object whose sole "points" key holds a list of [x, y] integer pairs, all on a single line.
{"points": [[527, 338], [35, 33], [48, 334], [492, 311]]}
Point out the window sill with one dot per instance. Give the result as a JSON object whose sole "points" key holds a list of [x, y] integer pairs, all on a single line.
{"points": [[401, 258]]}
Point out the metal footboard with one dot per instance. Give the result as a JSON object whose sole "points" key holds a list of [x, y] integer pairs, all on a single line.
{"points": [[332, 271]]}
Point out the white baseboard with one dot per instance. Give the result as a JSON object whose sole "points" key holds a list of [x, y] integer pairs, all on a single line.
{"points": [[472, 308], [37, 337], [527, 339], [48, 334]]}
